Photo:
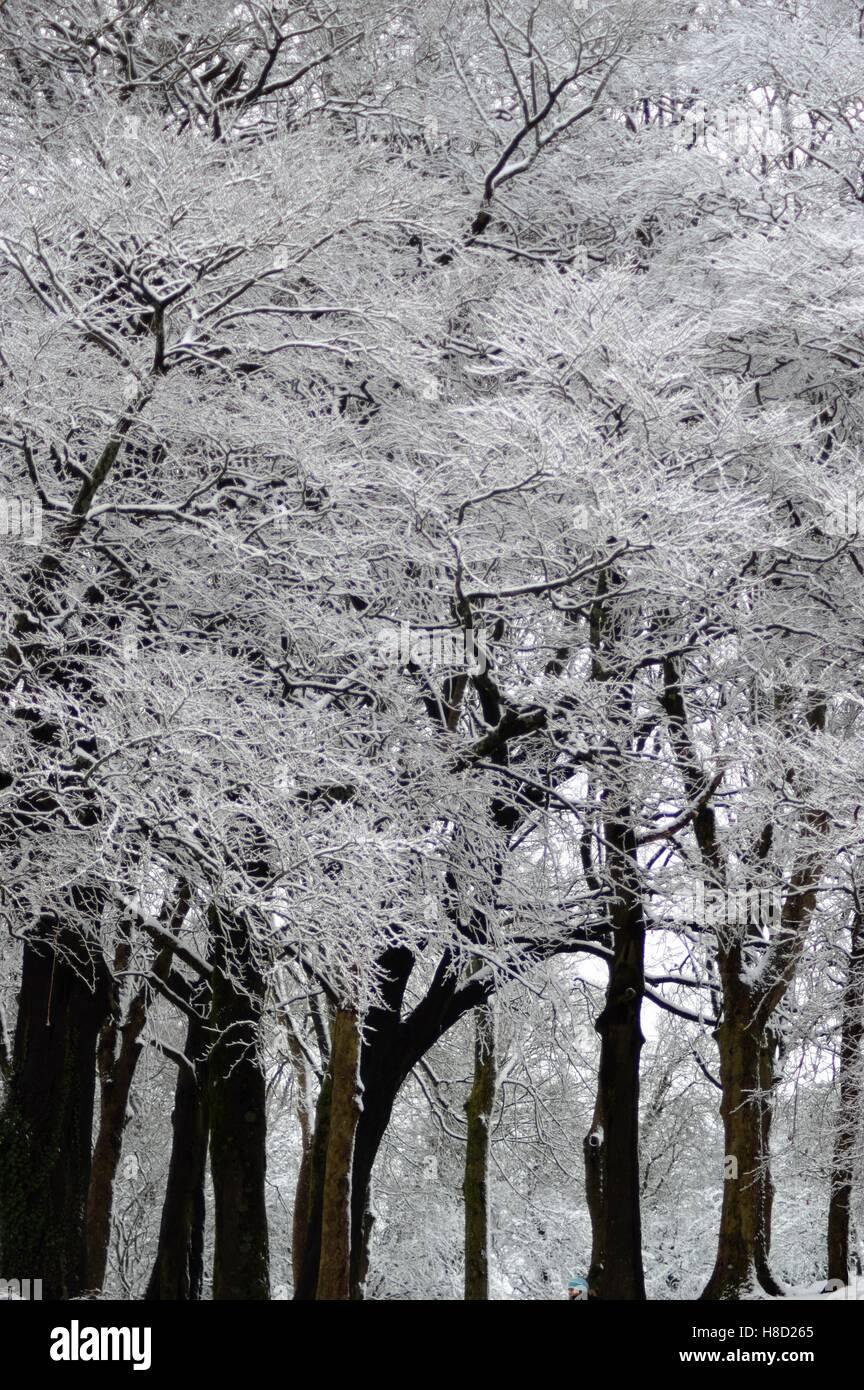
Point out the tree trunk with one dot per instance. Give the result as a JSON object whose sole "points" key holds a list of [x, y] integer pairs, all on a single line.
{"points": [[384, 1065], [389, 1048], [621, 1276], [381, 1076], [178, 1270], [361, 1249], [619, 1025], [308, 1203], [614, 1179], [746, 1075], [594, 1151], [47, 1119], [305, 1116], [115, 1078], [238, 1122], [300, 1219], [116, 1072], [745, 1040], [848, 1111], [767, 1082], [475, 1187], [374, 1119], [334, 1274]]}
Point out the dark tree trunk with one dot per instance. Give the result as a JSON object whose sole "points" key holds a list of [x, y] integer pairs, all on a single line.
{"points": [[746, 1075], [745, 1039], [390, 1047], [621, 1042], [594, 1151], [308, 1204], [475, 1186], [305, 1117], [300, 1219], [334, 1267], [372, 1126], [385, 1061], [767, 1082], [380, 1078], [47, 1119], [613, 1174], [115, 1079], [178, 1270], [238, 1123], [619, 1025], [361, 1250], [848, 1110], [116, 1066]]}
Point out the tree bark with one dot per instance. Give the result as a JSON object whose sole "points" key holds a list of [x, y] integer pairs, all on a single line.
{"points": [[594, 1151], [746, 1074], [621, 1275], [309, 1201], [115, 1080], [848, 1110], [116, 1069], [614, 1178], [746, 1043], [372, 1126], [178, 1270], [305, 1117], [745, 1039], [300, 1218], [238, 1124], [362, 1248], [475, 1187], [390, 1047], [385, 1061], [334, 1273], [767, 1083], [47, 1118]]}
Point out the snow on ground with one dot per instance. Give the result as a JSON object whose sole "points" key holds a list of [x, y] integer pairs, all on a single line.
{"points": [[853, 1291]]}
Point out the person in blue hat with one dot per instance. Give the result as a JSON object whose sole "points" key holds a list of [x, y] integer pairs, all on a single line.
{"points": [[577, 1289]]}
